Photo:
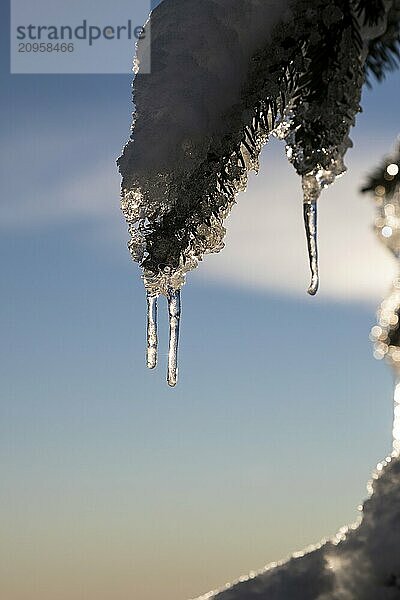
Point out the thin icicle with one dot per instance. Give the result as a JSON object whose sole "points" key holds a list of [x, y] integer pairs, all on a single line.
{"points": [[310, 222], [152, 340], [311, 192], [174, 311]]}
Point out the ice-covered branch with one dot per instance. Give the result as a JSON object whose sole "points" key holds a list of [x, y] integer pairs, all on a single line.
{"points": [[225, 76]]}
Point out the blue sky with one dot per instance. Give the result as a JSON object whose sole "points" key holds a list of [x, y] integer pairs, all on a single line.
{"points": [[281, 412]]}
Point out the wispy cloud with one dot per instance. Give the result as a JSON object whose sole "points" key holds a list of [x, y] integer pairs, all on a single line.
{"points": [[49, 177]]}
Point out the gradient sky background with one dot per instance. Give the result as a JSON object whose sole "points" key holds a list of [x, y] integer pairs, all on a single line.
{"points": [[114, 486]]}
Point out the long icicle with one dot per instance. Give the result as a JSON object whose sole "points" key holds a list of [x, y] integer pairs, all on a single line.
{"points": [[310, 222], [174, 311], [152, 339]]}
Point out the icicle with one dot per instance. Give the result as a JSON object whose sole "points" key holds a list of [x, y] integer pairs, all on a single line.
{"points": [[311, 192], [310, 222], [152, 340], [174, 310]]}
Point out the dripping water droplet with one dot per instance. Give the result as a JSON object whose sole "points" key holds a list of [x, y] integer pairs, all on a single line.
{"points": [[310, 222], [174, 311], [152, 339]]}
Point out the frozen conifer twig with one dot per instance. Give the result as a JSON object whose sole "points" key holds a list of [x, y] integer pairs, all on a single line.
{"points": [[223, 79]]}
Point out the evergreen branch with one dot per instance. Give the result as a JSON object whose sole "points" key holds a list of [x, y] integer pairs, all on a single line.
{"points": [[384, 51], [380, 178], [329, 87], [372, 11]]}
